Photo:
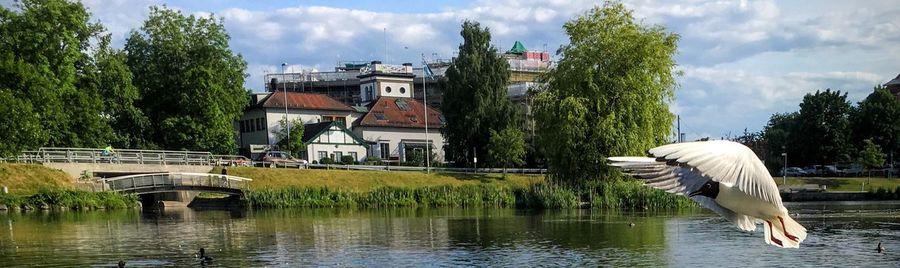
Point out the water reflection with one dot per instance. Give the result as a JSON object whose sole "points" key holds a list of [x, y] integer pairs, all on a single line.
{"points": [[840, 233]]}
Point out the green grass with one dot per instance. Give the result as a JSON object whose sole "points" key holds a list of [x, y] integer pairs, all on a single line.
{"points": [[283, 188], [36, 186], [69, 199], [28, 179], [365, 181], [465, 196], [843, 184], [632, 194]]}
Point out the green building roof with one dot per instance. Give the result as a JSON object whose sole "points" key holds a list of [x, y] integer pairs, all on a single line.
{"points": [[517, 48]]}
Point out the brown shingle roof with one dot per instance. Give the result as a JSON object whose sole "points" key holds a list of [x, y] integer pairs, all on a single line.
{"points": [[309, 101], [386, 112]]}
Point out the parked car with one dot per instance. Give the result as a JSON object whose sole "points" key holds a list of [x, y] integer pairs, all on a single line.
{"points": [[792, 172], [280, 159], [812, 170], [829, 170], [852, 171], [822, 170], [233, 160]]}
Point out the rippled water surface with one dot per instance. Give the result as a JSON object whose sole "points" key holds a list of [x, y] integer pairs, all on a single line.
{"points": [[840, 234]]}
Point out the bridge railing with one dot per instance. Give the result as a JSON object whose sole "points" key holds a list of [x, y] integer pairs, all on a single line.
{"points": [[118, 156], [174, 179]]}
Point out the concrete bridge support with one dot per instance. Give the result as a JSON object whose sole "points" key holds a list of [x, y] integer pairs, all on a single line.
{"points": [[160, 201]]}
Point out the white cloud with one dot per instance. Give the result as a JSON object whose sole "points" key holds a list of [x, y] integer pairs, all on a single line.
{"points": [[743, 60], [737, 99]]}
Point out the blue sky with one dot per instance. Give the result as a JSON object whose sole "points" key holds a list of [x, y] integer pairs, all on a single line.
{"points": [[742, 60]]}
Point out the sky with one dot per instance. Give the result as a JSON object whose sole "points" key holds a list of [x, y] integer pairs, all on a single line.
{"points": [[742, 61]]}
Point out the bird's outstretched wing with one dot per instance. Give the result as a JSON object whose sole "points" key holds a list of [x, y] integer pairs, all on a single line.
{"points": [[678, 180], [727, 162]]}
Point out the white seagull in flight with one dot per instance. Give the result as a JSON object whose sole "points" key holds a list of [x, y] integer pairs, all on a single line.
{"points": [[725, 177]]}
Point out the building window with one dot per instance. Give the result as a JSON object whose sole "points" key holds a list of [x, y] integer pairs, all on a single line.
{"points": [[341, 119], [322, 155], [330, 118], [385, 150], [259, 124], [242, 127], [353, 154], [402, 90], [369, 95], [387, 89], [337, 156]]}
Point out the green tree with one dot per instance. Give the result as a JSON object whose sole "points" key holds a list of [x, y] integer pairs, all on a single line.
{"points": [[507, 147], [295, 147], [778, 139], [110, 76], [22, 127], [877, 118], [870, 157], [608, 94], [191, 83], [822, 132], [475, 99], [44, 61]]}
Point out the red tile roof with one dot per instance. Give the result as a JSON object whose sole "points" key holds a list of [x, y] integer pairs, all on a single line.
{"points": [[309, 101], [385, 112]]}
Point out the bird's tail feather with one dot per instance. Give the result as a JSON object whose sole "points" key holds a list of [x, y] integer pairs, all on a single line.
{"points": [[783, 231]]}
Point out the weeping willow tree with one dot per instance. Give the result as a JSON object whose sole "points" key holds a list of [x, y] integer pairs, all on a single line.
{"points": [[608, 94]]}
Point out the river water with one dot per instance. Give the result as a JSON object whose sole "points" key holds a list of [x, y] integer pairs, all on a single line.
{"points": [[840, 235]]}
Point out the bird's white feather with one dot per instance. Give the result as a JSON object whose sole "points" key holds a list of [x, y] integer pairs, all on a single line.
{"points": [[677, 180], [727, 162]]}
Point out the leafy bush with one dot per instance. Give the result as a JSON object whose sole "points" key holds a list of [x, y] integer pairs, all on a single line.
{"points": [[372, 159], [327, 161], [347, 160]]}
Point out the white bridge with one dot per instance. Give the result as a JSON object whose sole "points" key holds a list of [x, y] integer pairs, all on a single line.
{"points": [[178, 181]]}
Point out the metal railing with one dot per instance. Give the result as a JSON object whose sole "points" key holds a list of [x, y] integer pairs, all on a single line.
{"points": [[118, 156], [162, 157], [136, 183], [435, 169]]}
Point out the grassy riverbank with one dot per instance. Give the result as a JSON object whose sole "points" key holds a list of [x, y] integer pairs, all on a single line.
{"points": [[28, 179], [364, 181], [843, 184], [35, 186], [38, 187], [282, 188], [61, 198]]}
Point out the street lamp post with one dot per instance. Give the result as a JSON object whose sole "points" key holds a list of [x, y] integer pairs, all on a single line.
{"points": [[784, 170], [286, 122]]}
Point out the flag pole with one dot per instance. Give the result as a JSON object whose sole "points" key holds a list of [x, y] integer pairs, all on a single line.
{"points": [[425, 103]]}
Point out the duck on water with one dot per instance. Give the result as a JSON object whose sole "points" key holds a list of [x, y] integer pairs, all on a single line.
{"points": [[203, 257]]}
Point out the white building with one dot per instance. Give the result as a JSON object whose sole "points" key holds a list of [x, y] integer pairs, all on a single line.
{"points": [[256, 126], [389, 126], [394, 122], [332, 140]]}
